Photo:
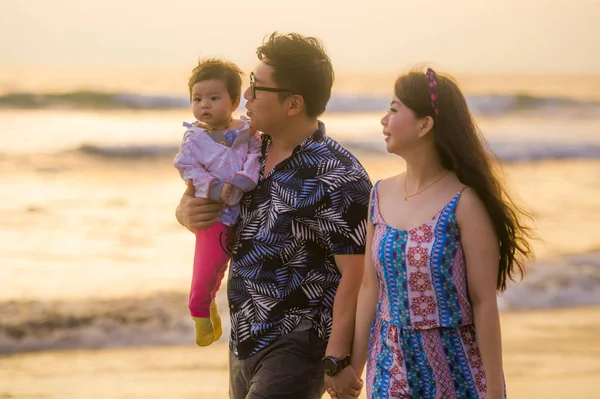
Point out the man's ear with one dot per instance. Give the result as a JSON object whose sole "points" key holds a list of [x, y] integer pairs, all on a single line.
{"points": [[296, 104]]}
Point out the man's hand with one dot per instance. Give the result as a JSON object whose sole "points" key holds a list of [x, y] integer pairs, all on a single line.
{"points": [[196, 213], [344, 385]]}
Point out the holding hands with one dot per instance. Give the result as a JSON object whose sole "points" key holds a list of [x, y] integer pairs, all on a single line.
{"points": [[346, 384]]}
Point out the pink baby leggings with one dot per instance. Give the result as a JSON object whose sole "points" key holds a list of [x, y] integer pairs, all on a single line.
{"points": [[210, 262]]}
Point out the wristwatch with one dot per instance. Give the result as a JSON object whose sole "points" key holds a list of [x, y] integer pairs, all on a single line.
{"points": [[333, 365]]}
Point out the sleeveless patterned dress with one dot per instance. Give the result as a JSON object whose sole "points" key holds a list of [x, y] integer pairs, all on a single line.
{"points": [[422, 342]]}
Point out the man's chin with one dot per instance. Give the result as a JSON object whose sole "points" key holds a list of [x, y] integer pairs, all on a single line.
{"points": [[254, 125]]}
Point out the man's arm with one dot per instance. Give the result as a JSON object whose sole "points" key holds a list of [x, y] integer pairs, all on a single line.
{"points": [[344, 305], [346, 383], [347, 234]]}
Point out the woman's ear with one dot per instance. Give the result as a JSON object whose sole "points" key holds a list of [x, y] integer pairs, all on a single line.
{"points": [[425, 126]]}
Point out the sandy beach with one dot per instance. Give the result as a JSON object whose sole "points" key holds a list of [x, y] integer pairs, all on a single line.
{"points": [[97, 263], [95, 270], [547, 354]]}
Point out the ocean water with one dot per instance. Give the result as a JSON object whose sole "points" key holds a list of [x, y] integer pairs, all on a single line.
{"points": [[91, 254]]}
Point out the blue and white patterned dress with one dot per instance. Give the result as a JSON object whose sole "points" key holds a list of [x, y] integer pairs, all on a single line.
{"points": [[423, 342]]}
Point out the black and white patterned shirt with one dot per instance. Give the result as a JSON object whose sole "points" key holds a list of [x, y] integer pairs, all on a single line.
{"points": [[310, 207]]}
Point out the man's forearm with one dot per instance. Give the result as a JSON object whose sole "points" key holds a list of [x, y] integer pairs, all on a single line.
{"points": [[344, 314], [365, 314]]}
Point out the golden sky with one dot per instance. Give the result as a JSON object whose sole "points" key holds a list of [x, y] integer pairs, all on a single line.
{"points": [[463, 35]]}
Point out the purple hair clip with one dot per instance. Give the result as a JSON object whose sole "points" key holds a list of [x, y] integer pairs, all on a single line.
{"points": [[433, 94]]}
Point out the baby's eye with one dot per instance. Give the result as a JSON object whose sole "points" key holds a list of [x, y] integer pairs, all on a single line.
{"points": [[196, 99], [214, 98]]}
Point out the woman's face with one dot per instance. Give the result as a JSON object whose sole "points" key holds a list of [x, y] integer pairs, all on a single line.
{"points": [[401, 128]]}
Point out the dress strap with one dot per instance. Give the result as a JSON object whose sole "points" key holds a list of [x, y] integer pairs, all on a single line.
{"points": [[374, 206], [450, 207]]}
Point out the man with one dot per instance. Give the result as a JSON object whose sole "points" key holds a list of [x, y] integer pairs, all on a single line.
{"points": [[298, 251]]}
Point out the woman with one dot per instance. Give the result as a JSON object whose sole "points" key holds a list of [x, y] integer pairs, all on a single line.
{"points": [[444, 238]]}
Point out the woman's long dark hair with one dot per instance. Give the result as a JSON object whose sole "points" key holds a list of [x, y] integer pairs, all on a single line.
{"points": [[463, 150]]}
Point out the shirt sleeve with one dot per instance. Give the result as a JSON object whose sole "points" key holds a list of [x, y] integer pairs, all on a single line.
{"points": [[247, 178], [343, 218], [190, 166]]}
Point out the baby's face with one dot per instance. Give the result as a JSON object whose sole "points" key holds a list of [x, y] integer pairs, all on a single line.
{"points": [[211, 103]]}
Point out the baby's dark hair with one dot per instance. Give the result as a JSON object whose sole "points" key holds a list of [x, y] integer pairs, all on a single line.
{"points": [[213, 68]]}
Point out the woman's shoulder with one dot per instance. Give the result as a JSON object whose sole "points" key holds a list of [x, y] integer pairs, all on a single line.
{"points": [[387, 184], [468, 196], [470, 205]]}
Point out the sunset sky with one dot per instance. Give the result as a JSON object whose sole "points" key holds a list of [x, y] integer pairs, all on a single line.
{"points": [[467, 35]]}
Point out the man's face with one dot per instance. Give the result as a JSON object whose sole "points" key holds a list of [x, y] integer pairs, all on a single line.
{"points": [[265, 109]]}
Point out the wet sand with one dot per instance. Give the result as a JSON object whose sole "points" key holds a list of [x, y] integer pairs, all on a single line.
{"points": [[547, 354]]}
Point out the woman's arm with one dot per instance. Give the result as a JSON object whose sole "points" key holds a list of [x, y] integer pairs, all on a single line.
{"points": [[481, 250], [365, 309]]}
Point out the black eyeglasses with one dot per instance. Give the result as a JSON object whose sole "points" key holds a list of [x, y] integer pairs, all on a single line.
{"points": [[255, 88]]}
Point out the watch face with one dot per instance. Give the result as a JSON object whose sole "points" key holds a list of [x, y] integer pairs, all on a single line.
{"points": [[330, 367]]}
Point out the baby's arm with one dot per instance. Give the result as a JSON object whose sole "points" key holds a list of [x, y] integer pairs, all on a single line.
{"points": [[231, 195], [189, 163], [247, 178]]}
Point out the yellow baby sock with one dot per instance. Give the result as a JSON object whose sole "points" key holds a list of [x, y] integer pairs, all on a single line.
{"points": [[205, 333], [215, 318]]}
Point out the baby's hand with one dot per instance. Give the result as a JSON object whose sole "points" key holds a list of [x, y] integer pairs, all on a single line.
{"points": [[231, 194], [226, 192]]}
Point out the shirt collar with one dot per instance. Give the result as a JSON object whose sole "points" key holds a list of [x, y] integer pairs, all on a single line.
{"points": [[318, 136]]}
